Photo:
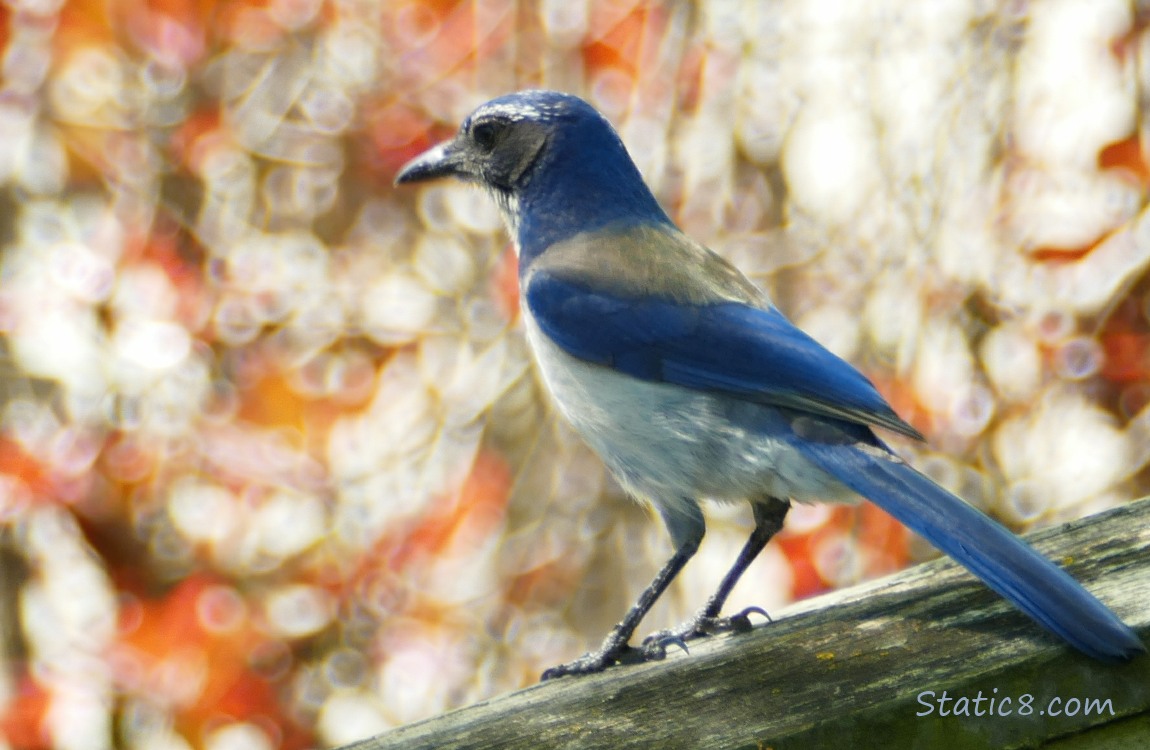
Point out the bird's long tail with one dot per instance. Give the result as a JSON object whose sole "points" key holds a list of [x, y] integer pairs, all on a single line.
{"points": [[1002, 560]]}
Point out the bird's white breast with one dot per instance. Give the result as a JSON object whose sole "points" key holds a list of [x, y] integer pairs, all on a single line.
{"points": [[664, 442]]}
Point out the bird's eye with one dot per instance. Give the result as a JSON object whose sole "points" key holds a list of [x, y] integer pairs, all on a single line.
{"points": [[485, 133]]}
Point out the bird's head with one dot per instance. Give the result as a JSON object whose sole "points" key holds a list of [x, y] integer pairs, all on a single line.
{"points": [[554, 165]]}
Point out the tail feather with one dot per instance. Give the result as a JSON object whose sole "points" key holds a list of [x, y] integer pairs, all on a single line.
{"points": [[1003, 561]]}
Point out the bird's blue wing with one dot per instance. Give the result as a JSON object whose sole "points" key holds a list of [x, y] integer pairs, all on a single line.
{"points": [[729, 347]]}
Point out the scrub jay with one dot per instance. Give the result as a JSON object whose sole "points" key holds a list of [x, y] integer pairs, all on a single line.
{"points": [[690, 384]]}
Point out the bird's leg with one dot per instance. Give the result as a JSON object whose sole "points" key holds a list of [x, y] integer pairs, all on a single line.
{"points": [[769, 515], [614, 649]]}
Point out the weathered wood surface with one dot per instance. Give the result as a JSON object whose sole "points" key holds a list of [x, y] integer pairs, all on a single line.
{"points": [[847, 669]]}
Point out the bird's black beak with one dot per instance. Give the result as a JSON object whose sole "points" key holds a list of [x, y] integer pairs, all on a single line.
{"points": [[444, 160]]}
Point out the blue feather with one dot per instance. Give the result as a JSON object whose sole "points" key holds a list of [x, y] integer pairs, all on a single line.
{"points": [[729, 347], [1003, 562]]}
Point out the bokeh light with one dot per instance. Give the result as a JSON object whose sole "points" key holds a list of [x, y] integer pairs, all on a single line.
{"points": [[275, 470]]}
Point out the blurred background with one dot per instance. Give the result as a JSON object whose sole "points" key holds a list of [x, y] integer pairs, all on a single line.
{"points": [[275, 470]]}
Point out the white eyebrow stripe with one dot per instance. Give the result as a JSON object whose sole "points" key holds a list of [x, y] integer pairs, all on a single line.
{"points": [[513, 112], [516, 111]]}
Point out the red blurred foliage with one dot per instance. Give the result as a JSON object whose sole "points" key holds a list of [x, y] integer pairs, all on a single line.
{"points": [[83, 23], [272, 402], [1126, 342], [16, 462], [469, 515], [127, 460], [624, 37], [1124, 47], [245, 23], [880, 534], [1048, 254], [398, 133], [1127, 356], [441, 40], [444, 38], [166, 246], [690, 77], [192, 647], [173, 31], [191, 142], [22, 725], [882, 540], [462, 518], [504, 284], [799, 551], [1127, 155], [546, 585], [899, 393]]}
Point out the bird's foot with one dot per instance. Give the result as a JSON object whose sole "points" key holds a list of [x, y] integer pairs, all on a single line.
{"points": [[612, 652], [594, 661], [701, 625], [615, 650]]}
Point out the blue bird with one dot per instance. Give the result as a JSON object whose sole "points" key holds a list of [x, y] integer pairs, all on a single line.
{"points": [[685, 379]]}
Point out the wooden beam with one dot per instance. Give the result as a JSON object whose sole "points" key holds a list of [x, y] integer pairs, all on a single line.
{"points": [[861, 667]]}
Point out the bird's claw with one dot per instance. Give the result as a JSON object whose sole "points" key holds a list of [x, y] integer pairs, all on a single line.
{"points": [[655, 645], [740, 622]]}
